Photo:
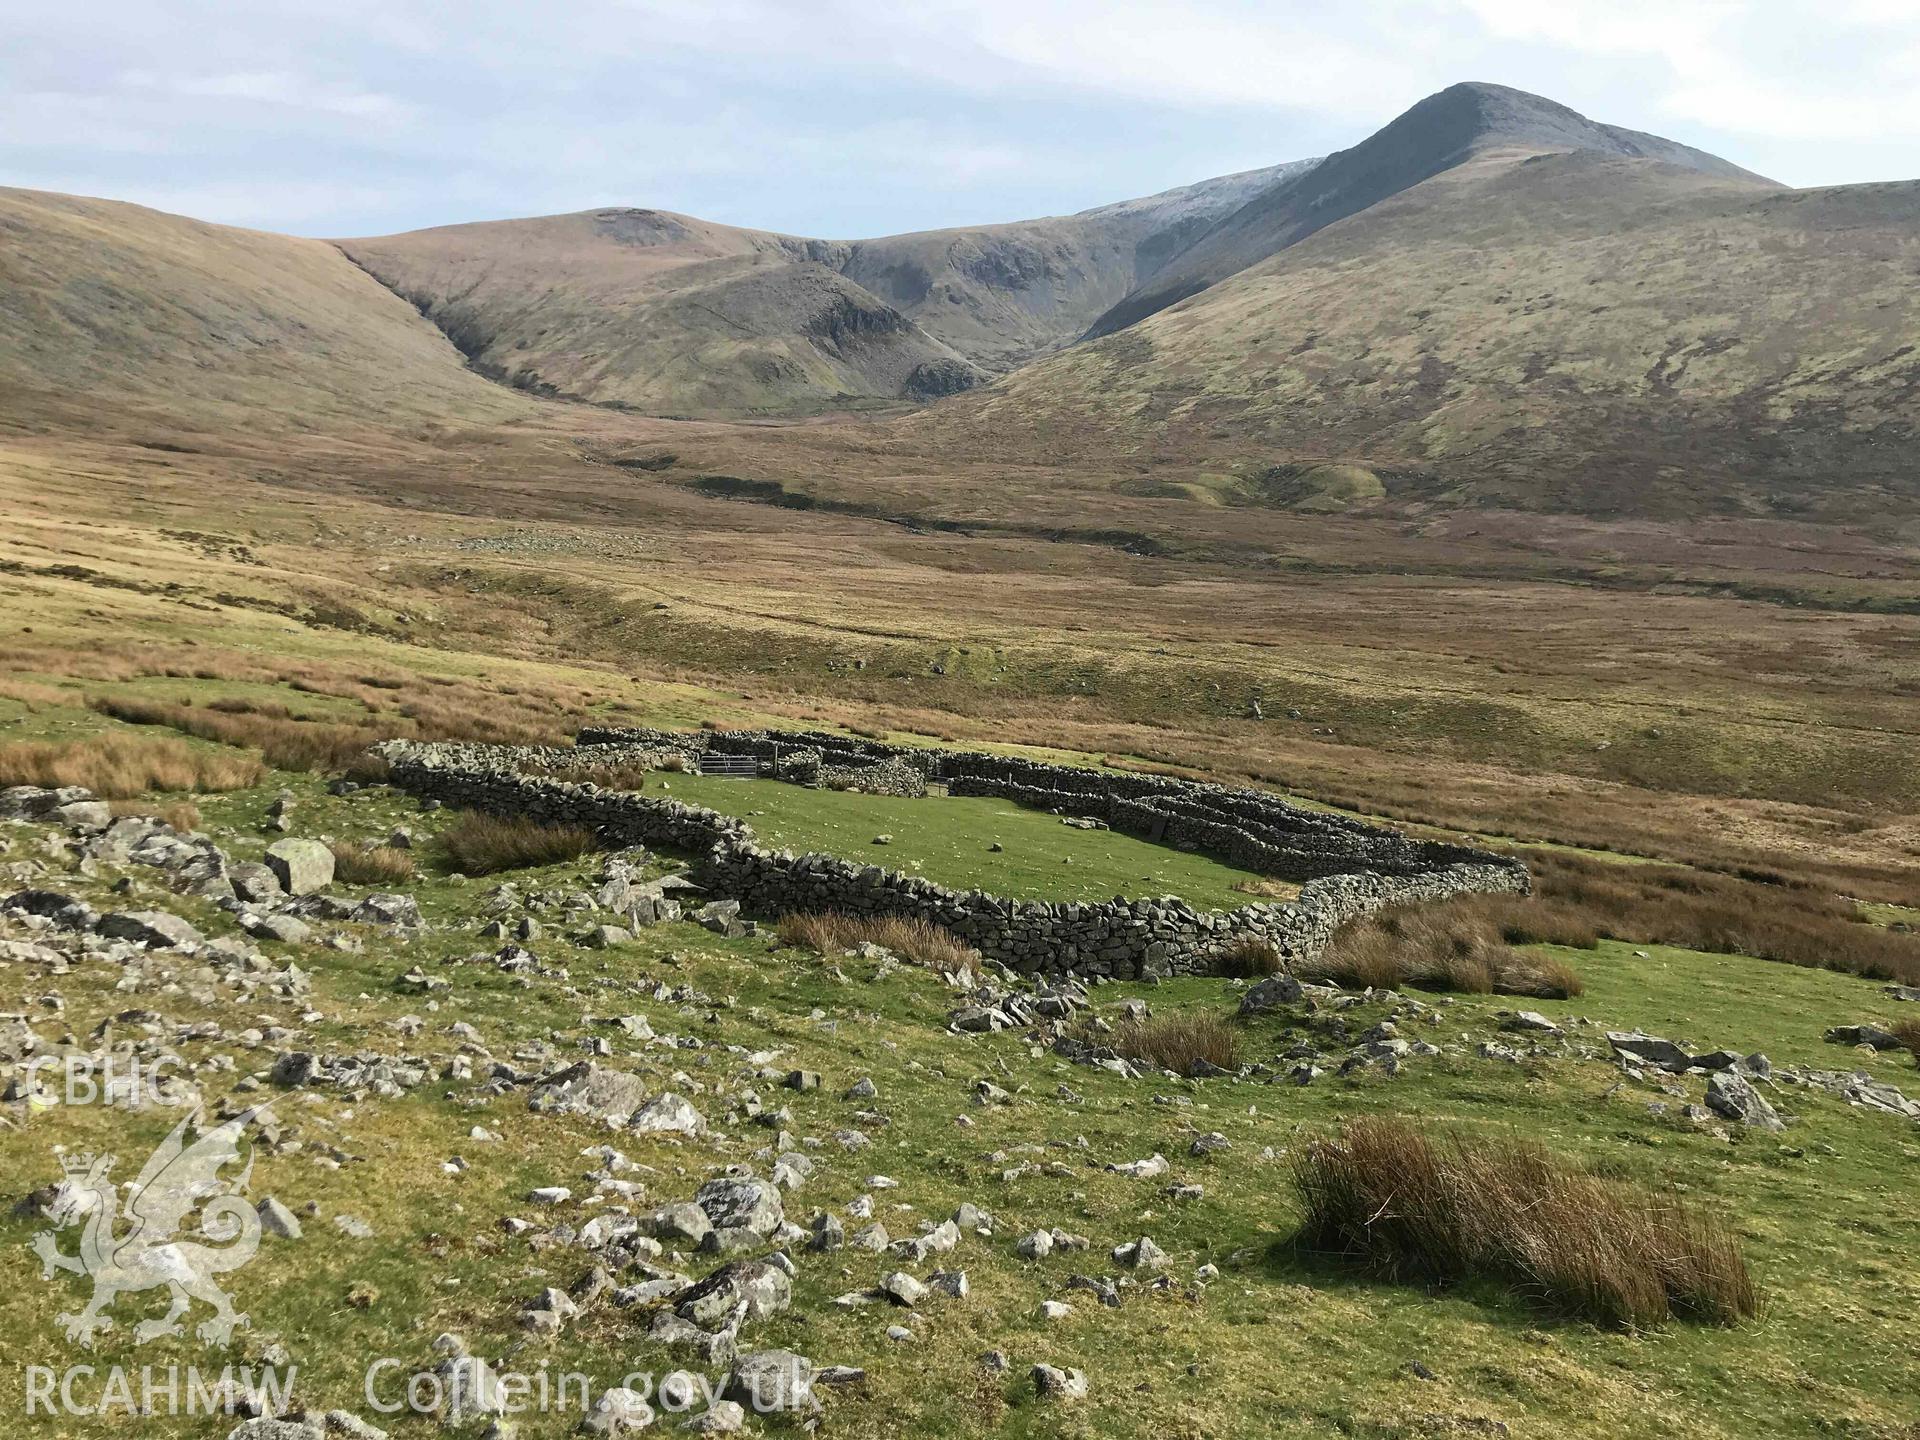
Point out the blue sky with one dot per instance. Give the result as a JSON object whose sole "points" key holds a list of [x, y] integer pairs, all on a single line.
{"points": [[843, 118]]}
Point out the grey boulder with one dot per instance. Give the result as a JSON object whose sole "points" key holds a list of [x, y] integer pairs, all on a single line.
{"points": [[301, 866], [156, 929]]}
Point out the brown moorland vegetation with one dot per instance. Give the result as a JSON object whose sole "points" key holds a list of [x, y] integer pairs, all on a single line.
{"points": [[121, 767], [478, 844], [1248, 959], [1180, 1043], [1437, 947], [1440, 1211], [1672, 905], [290, 743], [358, 863]]}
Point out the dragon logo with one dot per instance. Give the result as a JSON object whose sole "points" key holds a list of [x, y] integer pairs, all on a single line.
{"points": [[180, 1176]]}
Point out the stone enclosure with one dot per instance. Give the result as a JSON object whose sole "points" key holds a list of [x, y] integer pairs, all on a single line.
{"points": [[1348, 868]]}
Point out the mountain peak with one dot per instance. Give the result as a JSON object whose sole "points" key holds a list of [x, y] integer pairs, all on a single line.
{"points": [[1434, 135], [1479, 114]]}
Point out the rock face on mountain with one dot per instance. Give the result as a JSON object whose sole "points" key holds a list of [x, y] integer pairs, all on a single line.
{"points": [[674, 315], [1440, 132], [1002, 294]]}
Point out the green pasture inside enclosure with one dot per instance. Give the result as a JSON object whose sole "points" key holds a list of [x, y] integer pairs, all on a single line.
{"points": [[949, 839]]}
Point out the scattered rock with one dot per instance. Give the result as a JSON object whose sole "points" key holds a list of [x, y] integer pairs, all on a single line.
{"points": [[156, 929], [1050, 1383], [301, 866], [1649, 1049], [1733, 1096], [1870, 1035], [277, 1219], [767, 1381]]}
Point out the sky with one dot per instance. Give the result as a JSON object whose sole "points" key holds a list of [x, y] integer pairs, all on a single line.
{"points": [[847, 118]]}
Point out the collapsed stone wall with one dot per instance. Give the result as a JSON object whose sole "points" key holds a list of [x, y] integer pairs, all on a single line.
{"points": [[1350, 868]]}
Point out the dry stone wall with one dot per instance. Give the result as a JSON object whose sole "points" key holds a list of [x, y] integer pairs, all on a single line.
{"points": [[1349, 868]]}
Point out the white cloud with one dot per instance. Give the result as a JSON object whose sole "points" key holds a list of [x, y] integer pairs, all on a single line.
{"points": [[831, 116], [280, 87]]}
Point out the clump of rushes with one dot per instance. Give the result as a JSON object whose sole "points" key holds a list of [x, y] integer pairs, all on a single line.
{"points": [[182, 815], [1907, 1032], [1438, 947], [478, 844], [1439, 1211], [121, 767], [1248, 959], [830, 931], [358, 863], [1179, 1043]]}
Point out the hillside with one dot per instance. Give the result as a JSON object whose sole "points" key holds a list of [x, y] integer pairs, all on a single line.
{"points": [[1566, 331], [109, 301], [1442, 131], [659, 312], [670, 314], [1492, 302], [1003, 294]]}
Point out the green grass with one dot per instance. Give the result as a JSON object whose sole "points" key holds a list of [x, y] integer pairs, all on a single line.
{"points": [[1279, 1345], [949, 837], [1732, 1002]]}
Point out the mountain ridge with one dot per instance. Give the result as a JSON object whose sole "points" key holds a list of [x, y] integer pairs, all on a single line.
{"points": [[655, 310], [1434, 135]]}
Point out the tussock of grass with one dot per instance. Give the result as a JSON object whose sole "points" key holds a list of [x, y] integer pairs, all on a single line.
{"points": [[830, 931], [1248, 959], [368, 769], [1524, 920], [1178, 1042], [357, 863], [1907, 1032], [240, 705], [120, 767], [478, 844], [34, 695], [1411, 1208], [182, 815], [1439, 947]]}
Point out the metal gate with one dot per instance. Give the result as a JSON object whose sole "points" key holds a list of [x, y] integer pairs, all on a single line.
{"points": [[737, 767]]}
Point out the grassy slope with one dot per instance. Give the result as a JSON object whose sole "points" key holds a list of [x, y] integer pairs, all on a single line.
{"points": [[1570, 332], [237, 328], [946, 839], [1442, 131], [1279, 1345], [676, 315], [661, 312]]}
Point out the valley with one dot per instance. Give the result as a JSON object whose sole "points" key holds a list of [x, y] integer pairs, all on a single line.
{"points": [[1508, 484]]}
